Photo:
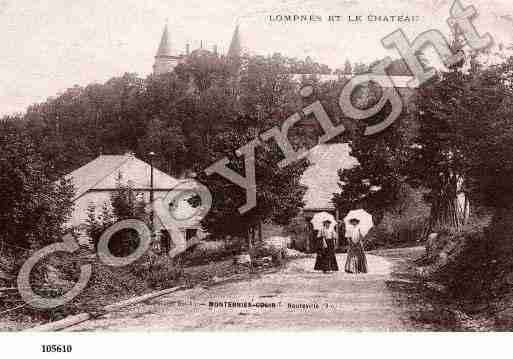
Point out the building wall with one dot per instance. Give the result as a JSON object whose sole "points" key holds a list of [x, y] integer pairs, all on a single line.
{"points": [[99, 198], [165, 65], [79, 215]]}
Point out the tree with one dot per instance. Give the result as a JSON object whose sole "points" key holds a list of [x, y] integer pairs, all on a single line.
{"points": [[438, 162], [124, 202], [459, 113], [168, 142], [96, 224], [375, 183], [484, 107], [279, 193], [265, 97], [265, 87], [34, 208], [204, 68], [123, 205]]}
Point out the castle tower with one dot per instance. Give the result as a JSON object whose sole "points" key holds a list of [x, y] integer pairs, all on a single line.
{"points": [[165, 61], [234, 59], [235, 49]]}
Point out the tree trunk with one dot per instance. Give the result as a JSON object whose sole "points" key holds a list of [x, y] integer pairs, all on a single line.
{"points": [[446, 209], [250, 239], [444, 213]]}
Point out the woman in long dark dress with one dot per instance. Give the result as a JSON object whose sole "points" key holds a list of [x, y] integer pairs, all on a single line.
{"points": [[326, 260], [356, 261]]}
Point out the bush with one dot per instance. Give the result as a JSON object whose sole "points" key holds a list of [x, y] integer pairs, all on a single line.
{"points": [[475, 263], [376, 238], [107, 285], [159, 272], [274, 247], [278, 255], [405, 223], [464, 262], [395, 230], [211, 251]]}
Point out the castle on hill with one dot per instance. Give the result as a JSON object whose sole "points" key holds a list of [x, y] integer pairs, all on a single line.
{"points": [[166, 59]]}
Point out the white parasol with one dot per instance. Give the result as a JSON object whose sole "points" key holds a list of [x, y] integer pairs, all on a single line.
{"points": [[319, 218], [363, 216]]}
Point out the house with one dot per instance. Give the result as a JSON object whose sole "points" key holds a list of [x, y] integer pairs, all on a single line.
{"points": [[95, 181], [321, 177]]}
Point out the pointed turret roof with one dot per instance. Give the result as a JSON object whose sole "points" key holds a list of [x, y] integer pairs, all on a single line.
{"points": [[235, 46], [165, 45]]}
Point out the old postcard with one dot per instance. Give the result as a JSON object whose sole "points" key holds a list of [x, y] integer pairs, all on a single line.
{"points": [[247, 165]]}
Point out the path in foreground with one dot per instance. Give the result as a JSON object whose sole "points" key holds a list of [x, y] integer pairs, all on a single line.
{"points": [[335, 301]]}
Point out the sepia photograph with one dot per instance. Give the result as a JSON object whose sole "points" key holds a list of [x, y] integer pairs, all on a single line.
{"points": [[275, 165]]}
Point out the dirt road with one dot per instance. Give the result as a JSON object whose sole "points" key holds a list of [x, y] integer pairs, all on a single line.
{"points": [[296, 297]]}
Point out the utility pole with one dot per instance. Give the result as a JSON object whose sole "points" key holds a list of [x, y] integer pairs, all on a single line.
{"points": [[152, 154]]}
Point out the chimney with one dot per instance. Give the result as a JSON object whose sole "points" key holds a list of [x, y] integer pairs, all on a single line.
{"points": [[187, 49], [215, 49]]}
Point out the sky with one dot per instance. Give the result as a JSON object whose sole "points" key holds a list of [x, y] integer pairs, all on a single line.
{"points": [[50, 45]]}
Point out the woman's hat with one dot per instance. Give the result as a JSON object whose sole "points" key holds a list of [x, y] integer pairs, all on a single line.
{"points": [[326, 221], [354, 220]]}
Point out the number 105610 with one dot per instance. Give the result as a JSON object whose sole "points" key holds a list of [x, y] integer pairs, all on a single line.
{"points": [[56, 348]]}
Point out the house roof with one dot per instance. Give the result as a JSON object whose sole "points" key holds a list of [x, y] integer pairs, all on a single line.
{"points": [[102, 174], [321, 177]]}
